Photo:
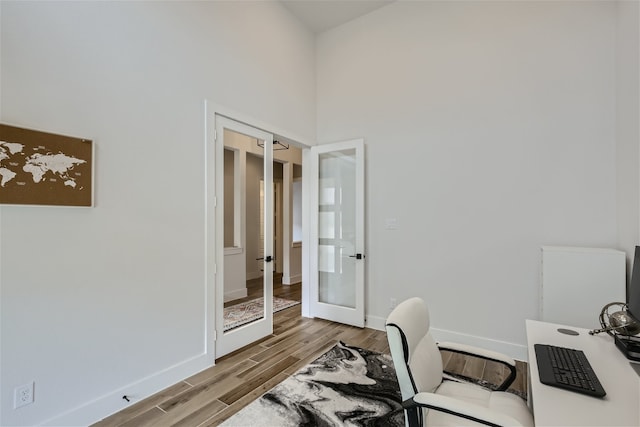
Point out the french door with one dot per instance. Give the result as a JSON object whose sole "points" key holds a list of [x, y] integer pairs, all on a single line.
{"points": [[337, 232], [250, 151]]}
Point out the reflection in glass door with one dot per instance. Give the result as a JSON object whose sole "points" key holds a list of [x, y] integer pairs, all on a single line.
{"points": [[243, 284]]}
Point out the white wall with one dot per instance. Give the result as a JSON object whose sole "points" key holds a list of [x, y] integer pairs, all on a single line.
{"points": [[628, 125], [292, 268], [490, 131], [94, 300]]}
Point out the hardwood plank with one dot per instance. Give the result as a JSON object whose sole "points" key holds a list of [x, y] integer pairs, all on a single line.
{"points": [[201, 415], [373, 342], [264, 365], [288, 318], [446, 356], [334, 331], [149, 418], [253, 348], [291, 313], [220, 371], [349, 334], [456, 363], [520, 383], [200, 395], [282, 349], [361, 338], [253, 382], [293, 330], [296, 321], [474, 367], [143, 406], [197, 404]]}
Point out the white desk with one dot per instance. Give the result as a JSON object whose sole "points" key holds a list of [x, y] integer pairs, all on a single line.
{"points": [[557, 407]]}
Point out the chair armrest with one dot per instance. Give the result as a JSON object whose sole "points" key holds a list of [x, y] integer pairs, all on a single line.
{"points": [[466, 410], [484, 354], [477, 351]]}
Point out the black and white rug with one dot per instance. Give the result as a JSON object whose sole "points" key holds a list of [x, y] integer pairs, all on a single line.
{"points": [[346, 386]]}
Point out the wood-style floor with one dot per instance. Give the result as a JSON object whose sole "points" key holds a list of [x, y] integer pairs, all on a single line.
{"points": [[215, 394]]}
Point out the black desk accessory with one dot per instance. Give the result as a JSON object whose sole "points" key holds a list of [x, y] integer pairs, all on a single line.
{"points": [[629, 346], [567, 368]]}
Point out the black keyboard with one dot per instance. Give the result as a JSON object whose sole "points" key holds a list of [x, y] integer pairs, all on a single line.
{"points": [[567, 368]]}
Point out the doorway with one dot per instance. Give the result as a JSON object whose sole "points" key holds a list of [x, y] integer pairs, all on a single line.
{"points": [[253, 182]]}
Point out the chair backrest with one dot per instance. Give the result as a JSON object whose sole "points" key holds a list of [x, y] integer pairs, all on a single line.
{"points": [[415, 354]]}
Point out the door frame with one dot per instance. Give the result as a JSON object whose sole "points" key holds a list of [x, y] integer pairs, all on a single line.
{"points": [[353, 316], [214, 251], [229, 341]]}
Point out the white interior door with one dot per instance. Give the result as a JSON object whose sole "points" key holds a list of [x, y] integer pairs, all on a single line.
{"points": [[337, 232], [230, 339]]}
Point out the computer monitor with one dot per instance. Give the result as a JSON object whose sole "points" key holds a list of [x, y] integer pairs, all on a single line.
{"points": [[629, 345], [633, 291]]}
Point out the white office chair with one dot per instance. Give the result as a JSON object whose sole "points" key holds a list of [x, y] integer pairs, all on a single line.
{"points": [[429, 399]]}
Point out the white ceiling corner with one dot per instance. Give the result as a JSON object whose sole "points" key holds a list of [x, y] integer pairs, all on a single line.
{"points": [[322, 15]]}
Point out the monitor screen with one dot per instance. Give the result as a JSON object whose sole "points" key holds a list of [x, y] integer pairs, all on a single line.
{"points": [[633, 292]]}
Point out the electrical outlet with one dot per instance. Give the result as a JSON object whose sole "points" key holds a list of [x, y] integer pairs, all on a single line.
{"points": [[392, 303], [23, 395]]}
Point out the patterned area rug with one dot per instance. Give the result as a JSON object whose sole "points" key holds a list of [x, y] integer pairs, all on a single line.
{"points": [[245, 312], [346, 386]]}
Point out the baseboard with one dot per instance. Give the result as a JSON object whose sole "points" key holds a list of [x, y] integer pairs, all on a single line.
{"points": [[515, 351], [375, 322], [239, 293], [97, 409], [251, 275], [290, 280]]}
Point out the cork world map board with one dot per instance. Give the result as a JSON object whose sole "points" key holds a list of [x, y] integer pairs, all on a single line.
{"points": [[39, 168]]}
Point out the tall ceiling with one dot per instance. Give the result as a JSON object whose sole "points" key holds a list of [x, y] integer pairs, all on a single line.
{"points": [[322, 15]]}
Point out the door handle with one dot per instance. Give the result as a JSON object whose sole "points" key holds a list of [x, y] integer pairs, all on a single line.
{"points": [[356, 256], [266, 259]]}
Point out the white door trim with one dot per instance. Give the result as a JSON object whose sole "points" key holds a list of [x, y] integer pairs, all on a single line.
{"points": [[215, 259], [349, 315], [218, 342]]}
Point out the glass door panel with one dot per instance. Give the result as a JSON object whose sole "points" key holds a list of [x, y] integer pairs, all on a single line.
{"points": [[336, 227], [337, 289], [244, 281]]}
